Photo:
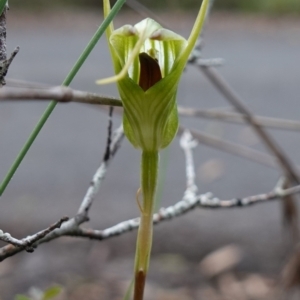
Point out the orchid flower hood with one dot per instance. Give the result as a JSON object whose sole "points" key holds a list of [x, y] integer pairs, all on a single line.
{"points": [[149, 60]]}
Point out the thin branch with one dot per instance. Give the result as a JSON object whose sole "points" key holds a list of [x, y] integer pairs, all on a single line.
{"points": [[238, 118], [144, 11], [188, 143], [4, 62], [232, 148], [3, 34], [98, 178], [239, 105], [211, 62], [59, 94], [203, 201], [109, 134], [26, 243], [19, 83]]}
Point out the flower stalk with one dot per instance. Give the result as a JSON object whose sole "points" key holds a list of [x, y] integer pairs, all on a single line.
{"points": [[149, 175]]}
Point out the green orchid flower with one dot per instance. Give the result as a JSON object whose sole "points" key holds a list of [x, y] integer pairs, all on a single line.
{"points": [[149, 61]]}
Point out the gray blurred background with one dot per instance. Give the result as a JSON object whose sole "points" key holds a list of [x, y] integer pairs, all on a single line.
{"points": [[262, 54]]}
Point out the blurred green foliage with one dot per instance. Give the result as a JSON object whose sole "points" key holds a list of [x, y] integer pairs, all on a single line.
{"points": [[48, 294], [263, 6]]}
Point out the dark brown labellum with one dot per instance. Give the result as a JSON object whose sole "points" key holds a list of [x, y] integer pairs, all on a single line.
{"points": [[150, 71]]}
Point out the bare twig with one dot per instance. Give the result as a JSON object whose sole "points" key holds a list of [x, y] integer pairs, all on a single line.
{"points": [[144, 11], [3, 34], [19, 83], [239, 105], [232, 148], [109, 133], [187, 143], [233, 117], [4, 62], [58, 93], [182, 207], [26, 243], [82, 214], [211, 62]]}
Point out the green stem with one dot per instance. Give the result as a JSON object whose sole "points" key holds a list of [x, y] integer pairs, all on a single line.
{"points": [[2, 5], [52, 104], [149, 175]]}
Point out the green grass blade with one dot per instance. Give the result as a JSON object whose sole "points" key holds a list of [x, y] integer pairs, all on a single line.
{"points": [[52, 104], [2, 5], [129, 291]]}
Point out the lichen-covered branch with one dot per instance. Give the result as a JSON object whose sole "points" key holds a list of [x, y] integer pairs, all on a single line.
{"points": [[4, 62], [26, 243]]}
